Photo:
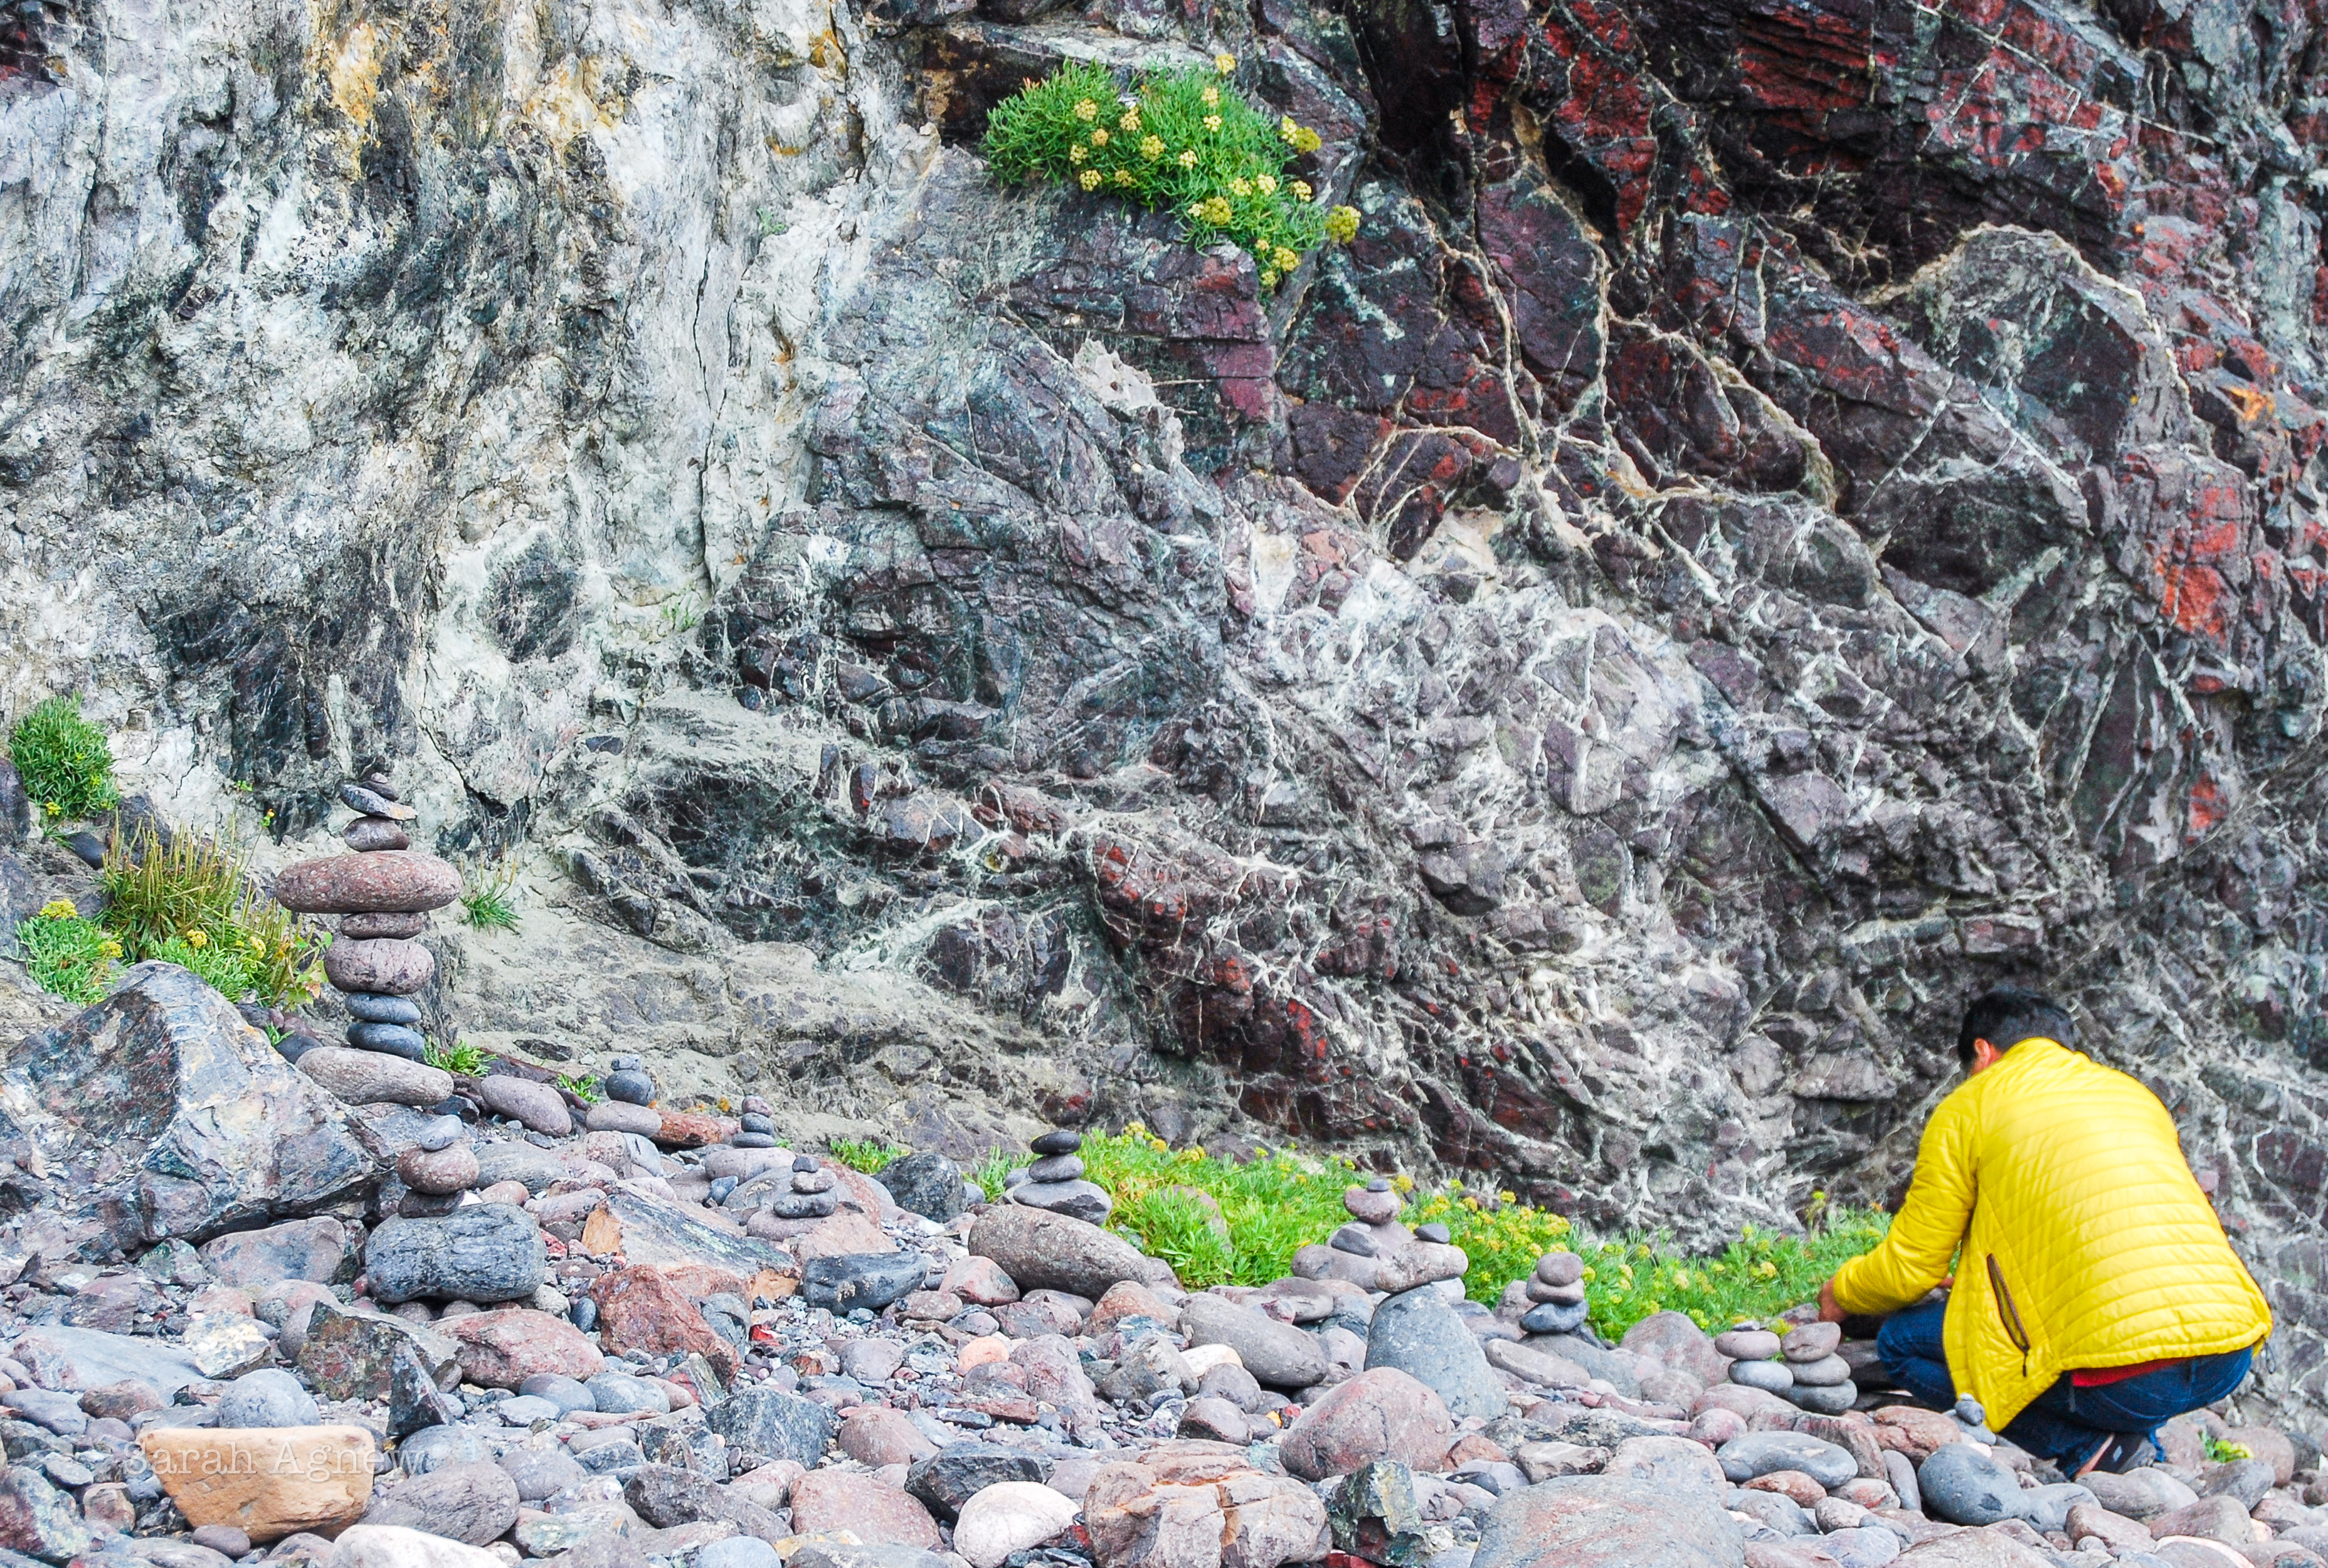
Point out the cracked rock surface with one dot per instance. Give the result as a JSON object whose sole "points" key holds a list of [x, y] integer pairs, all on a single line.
{"points": [[1782, 517]]}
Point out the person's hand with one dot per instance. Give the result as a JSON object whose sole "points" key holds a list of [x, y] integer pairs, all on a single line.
{"points": [[1830, 1310]]}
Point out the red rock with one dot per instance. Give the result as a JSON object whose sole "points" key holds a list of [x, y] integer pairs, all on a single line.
{"points": [[877, 1435], [980, 1281], [689, 1130], [503, 1347], [1380, 1413], [395, 967], [873, 1512], [388, 879], [1126, 1299], [640, 1308]]}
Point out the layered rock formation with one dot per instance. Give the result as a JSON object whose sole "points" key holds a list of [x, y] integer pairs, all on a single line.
{"points": [[1787, 513]]}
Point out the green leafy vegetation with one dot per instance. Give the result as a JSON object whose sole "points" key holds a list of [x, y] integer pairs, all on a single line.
{"points": [[68, 956], [2224, 1453], [1186, 140], [583, 1086], [64, 759], [865, 1154], [1220, 1223], [466, 1060], [991, 1173], [192, 901], [488, 908]]}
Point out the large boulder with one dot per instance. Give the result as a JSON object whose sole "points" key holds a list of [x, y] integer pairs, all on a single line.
{"points": [[486, 1252], [164, 1080], [1382, 1414], [1201, 1503], [1597, 1522], [1278, 1354], [1419, 1333], [1042, 1250]]}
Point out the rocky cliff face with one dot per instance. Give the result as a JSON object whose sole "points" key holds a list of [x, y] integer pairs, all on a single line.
{"points": [[1787, 512]]}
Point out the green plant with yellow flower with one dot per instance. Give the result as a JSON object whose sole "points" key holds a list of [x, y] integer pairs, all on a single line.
{"points": [[64, 761], [68, 956], [1183, 139], [192, 901]]}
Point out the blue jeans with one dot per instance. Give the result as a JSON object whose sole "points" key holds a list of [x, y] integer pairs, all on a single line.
{"points": [[2065, 1423]]}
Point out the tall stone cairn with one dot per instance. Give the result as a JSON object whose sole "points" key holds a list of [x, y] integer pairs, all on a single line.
{"points": [[382, 895]]}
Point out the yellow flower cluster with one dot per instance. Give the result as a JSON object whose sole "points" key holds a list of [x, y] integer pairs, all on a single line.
{"points": [[1152, 147], [1090, 179], [1299, 137], [1342, 224], [59, 909], [1225, 63], [1087, 111], [1213, 123]]}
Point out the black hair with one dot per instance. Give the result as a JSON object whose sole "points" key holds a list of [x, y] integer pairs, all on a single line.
{"points": [[2007, 1016]]}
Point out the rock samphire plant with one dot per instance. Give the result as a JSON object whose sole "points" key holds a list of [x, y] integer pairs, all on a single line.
{"points": [[1182, 139], [64, 759]]}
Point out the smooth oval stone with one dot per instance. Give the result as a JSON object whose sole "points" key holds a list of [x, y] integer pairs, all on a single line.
{"points": [[485, 1252], [372, 804], [625, 1064], [812, 1181], [399, 879], [1747, 1344], [756, 1106], [722, 1188], [566, 1393], [438, 1173], [368, 1077], [366, 835], [753, 1141], [1056, 1168], [442, 1133], [754, 1122], [801, 1205], [620, 1394], [1827, 1373], [1556, 1316], [1355, 1240], [1436, 1232], [381, 784], [525, 1410], [1965, 1486], [1829, 1401], [1367, 1206], [1770, 1377], [1059, 1141], [538, 1107], [1566, 1269], [805, 1162], [396, 967], [394, 1040], [614, 1116], [377, 1008], [630, 1087], [1812, 1341], [383, 923], [1761, 1453]]}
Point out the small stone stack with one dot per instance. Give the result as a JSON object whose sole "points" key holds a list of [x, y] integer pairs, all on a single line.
{"points": [[627, 1082], [1557, 1292], [758, 1132], [1055, 1180], [382, 895], [813, 1196], [1375, 1252], [440, 1166], [1802, 1367]]}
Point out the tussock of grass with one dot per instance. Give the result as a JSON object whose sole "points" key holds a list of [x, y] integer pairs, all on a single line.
{"points": [[64, 760], [193, 902], [1184, 139], [489, 908], [583, 1086], [864, 1154], [466, 1060], [1220, 1223]]}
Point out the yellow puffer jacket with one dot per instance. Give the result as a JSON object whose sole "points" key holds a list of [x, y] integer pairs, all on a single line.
{"points": [[2085, 1241]]}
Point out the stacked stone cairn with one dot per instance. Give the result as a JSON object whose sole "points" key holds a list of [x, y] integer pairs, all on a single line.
{"points": [[1375, 1252], [626, 1082], [1556, 1294], [382, 895], [1055, 1180], [759, 1131], [440, 1166], [1802, 1367]]}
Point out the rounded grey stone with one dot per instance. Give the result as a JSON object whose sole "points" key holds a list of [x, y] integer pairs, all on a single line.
{"points": [[268, 1397], [378, 1008], [565, 1392], [525, 1408], [486, 1252], [1770, 1377], [1760, 1454], [1965, 1486], [1418, 1334], [441, 1133], [620, 1394]]}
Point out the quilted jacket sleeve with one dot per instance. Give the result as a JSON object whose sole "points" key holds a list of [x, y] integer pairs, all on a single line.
{"points": [[1924, 1236]]}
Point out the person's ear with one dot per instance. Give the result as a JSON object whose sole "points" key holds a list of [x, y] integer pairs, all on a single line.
{"points": [[1983, 1055]]}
